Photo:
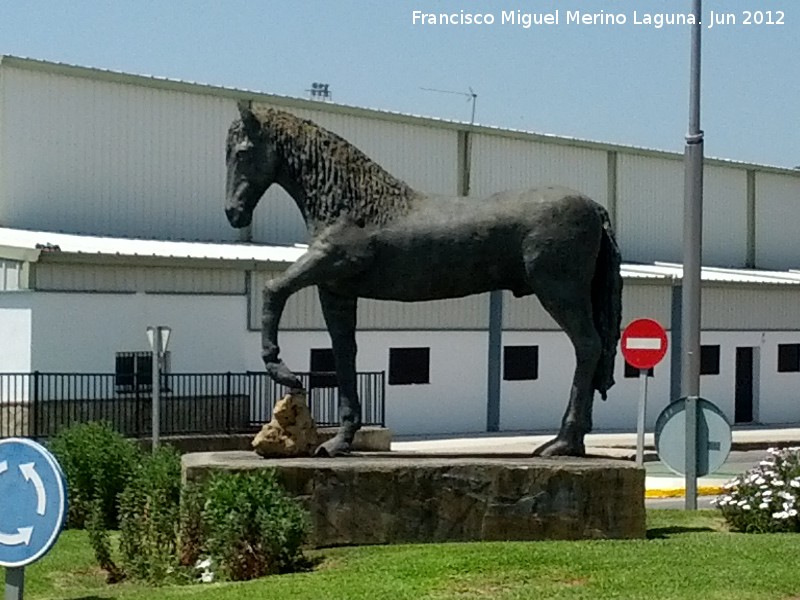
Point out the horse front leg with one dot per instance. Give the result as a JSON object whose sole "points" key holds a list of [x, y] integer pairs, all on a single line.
{"points": [[315, 265], [340, 317]]}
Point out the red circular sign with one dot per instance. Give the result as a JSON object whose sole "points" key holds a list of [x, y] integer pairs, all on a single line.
{"points": [[644, 343]]}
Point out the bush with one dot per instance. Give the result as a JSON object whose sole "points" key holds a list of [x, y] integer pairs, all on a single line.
{"points": [[150, 516], [253, 527], [97, 462], [765, 499], [193, 535]]}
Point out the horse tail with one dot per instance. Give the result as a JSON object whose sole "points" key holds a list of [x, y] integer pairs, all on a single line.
{"points": [[607, 304]]}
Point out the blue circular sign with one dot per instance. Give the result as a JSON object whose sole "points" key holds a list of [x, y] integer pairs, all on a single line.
{"points": [[34, 503], [713, 437]]}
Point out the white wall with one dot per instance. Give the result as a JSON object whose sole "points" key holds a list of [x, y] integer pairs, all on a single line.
{"points": [[453, 402], [15, 333], [82, 332]]}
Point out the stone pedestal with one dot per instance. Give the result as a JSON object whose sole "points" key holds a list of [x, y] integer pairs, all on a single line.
{"points": [[387, 499]]}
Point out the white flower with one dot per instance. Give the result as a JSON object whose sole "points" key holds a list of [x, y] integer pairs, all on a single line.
{"points": [[767, 463], [763, 486], [760, 481], [203, 564], [780, 515], [795, 483], [207, 577], [792, 512], [746, 507], [773, 450], [777, 483], [767, 492], [741, 503], [723, 502]]}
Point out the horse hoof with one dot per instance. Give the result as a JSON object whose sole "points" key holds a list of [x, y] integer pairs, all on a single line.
{"points": [[560, 447], [332, 448], [281, 374]]}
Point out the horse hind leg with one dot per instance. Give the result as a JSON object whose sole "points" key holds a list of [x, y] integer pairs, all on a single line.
{"points": [[569, 303], [340, 317]]}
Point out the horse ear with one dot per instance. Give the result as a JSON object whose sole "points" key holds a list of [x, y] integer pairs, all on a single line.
{"points": [[252, 126]]}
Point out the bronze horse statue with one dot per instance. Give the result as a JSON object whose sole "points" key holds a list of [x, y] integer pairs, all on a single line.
{"points": [[373, 236]]}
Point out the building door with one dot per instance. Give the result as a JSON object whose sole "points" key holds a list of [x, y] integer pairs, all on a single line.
{"points": [[743, 412]]}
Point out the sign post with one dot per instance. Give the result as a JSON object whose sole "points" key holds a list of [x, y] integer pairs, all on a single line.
{"points": [[159, 339], [644, 345], [34, 507]]}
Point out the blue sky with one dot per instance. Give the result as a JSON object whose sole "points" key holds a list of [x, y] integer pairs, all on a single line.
{"points": [[624, 84]]}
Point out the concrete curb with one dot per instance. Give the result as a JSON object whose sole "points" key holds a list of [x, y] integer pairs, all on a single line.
{"points": [[705, 490]]}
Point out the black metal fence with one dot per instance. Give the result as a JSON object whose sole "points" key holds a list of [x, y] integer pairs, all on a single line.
{"points": [[39, 405]]}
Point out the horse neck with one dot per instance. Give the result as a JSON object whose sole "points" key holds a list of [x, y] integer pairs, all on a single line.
{"points": [[325, 189]]}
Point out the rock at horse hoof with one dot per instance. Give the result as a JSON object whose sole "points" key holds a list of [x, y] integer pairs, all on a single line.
{"points": [[291, 432]]}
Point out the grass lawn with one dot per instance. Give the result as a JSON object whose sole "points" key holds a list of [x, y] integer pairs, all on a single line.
{"points": [[687, 555]]}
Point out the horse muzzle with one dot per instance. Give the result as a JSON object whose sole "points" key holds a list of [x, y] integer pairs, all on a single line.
{"points": [[238, 218]]}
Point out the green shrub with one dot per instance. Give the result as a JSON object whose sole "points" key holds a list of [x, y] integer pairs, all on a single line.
{"points": [[253, 527], [150, 517], [192, 529], [97, 462], [765, 499]]}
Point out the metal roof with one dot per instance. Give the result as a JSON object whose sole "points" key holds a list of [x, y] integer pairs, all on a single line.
{"points": [[12, 241], [57, 243], [666, 270], [291, 101]]}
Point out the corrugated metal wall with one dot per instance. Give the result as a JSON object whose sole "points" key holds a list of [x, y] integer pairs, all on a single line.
{"points": [[650, 211], [98, 157], [638, 300], [93, 155], [751, 309], [502, 163], [777, 217], [106, 278], [303, 311]]}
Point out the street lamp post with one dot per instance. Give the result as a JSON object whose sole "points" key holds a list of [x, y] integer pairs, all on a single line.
{"points": [[158, 337], [692, 261]]}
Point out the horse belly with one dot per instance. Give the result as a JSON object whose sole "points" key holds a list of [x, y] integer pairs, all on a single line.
{"points": [[433, 271]]}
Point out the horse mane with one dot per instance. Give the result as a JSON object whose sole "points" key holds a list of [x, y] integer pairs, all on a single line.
{"points": [[338, 179]]}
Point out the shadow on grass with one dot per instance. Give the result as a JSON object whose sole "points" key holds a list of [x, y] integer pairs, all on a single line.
{"points": [[660, 533]]}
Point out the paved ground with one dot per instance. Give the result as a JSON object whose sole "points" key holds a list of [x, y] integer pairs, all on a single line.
{"points": [[749, 444]]}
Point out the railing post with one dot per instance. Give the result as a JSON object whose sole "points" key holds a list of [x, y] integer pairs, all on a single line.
{"points": [[35, 412], [383, 398], [228, 401]]}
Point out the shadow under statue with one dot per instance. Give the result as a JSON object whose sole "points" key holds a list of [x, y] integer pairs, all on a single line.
{"points": [[373, 236]]}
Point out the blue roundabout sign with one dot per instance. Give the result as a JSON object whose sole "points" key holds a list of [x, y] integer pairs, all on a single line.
{"points": [[34, 501]]}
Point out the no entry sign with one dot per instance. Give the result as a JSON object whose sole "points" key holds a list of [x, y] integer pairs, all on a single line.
{"points": [[644, 343]]}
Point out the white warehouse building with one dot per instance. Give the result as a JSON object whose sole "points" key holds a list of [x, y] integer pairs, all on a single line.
{"points": [[111, 198]]}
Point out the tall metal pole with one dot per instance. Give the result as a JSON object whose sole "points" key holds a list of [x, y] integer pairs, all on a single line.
{"points": [[692, 261], [15, 583]]}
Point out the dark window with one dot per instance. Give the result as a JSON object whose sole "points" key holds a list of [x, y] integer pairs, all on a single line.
{"points": [[788, 358], [133, 371], [323, 368], [409, 365], [520, 363], [631, 372], [709, 360]]}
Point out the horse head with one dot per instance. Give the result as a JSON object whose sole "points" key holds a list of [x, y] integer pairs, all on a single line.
{"points": [[252, 164]]}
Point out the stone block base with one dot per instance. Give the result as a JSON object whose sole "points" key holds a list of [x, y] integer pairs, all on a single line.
{"points": [[387, 499]]}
